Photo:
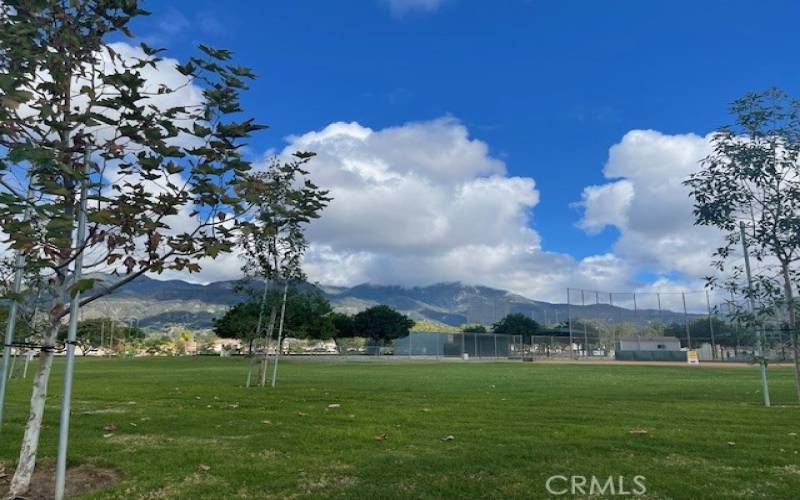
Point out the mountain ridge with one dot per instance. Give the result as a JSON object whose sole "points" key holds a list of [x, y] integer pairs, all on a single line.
{"points": [[161, 303]]}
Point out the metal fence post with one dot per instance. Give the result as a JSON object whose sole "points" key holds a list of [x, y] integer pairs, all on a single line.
{"points": [[711, 328], [686, 323], [638, 331], [585, 331], [569, 323]]}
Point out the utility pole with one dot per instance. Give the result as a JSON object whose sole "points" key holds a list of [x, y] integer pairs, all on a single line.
{"points": [[759, 332]]}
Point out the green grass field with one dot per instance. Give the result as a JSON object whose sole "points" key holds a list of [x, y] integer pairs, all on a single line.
{"points": [[186, 428]]}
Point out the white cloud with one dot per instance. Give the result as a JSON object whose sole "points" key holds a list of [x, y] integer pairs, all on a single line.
{"points": [[606, 205], [423, 203], [646, 200]]}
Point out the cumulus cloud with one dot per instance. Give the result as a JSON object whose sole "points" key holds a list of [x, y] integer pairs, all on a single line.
{"points": [[425, 202], [647, 202]]}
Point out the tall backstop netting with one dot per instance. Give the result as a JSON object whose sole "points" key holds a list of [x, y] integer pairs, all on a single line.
{"points": [[663, 326]]}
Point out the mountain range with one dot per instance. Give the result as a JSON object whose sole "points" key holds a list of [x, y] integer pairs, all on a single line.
{"points": [[157, 304]]}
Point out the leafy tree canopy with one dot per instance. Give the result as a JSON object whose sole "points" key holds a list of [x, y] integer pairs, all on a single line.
{"points": [[516, 324], [308, 315], [382, 323], [345, 326], [474, 329]]}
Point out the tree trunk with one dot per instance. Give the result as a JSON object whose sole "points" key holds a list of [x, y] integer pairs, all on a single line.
{"points": [[262, 372], [30, 441], [250, 347], [338, 347], [789, 296]]}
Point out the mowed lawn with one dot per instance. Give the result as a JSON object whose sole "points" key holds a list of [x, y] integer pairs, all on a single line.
{"points": [[187, 428]]}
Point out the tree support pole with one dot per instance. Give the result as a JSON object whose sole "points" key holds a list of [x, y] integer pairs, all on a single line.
{"points": [[258, 333], [280, 335], [11, 325], [759, 332], [69, 367]]}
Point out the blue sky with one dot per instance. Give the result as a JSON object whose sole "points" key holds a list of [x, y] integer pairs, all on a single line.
{"points": [[548, 86]]}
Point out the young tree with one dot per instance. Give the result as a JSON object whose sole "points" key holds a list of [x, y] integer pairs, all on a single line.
{"points": [[750, 184], [274, 241], [151, 180], [382, 323], [517, 324]]}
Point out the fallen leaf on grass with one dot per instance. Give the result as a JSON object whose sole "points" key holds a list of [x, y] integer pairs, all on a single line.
{"points": [[639, 431], [301, 414], [449, 438], [792, 433], [110, 428], [381, 437], [334, 405], [731, 443], [426, 410], [267, 422], [204, 467], [351, 416], [108, 435], [134, 425]]}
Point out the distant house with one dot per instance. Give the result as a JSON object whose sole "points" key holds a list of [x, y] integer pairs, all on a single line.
{"points": [[649, 349]]}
